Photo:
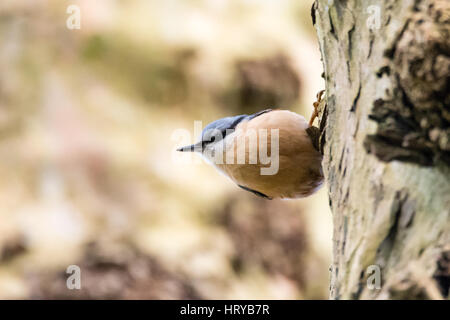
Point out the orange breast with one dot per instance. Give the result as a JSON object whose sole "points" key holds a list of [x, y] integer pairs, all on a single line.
{"points": [[299, 171]]}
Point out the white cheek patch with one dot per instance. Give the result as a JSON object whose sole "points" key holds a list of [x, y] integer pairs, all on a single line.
{"points": [[214, 151], [235, 144], [229, 143]]}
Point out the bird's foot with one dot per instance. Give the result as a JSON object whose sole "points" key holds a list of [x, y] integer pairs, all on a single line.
{"points": [[316, 106]]}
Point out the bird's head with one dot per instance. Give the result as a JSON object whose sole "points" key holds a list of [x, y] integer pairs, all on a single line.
{"points": [[213, 134]]}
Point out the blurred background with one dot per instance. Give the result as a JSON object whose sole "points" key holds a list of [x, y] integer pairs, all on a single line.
{"points": [[87, 175]]}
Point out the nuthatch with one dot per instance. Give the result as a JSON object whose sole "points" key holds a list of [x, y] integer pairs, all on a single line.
{"points": [[295, 165]]}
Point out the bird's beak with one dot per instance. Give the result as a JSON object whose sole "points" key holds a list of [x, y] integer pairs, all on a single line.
{"points": [[192, 148]]}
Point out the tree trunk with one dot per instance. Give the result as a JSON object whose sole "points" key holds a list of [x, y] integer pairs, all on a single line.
{"points": [[386, 144]]}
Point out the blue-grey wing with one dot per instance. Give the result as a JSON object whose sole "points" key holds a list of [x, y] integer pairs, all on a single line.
{"points": [[225, 125], [252, 116]]}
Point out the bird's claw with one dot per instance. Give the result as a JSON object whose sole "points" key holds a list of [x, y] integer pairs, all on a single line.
{"points": [[316, 106]]}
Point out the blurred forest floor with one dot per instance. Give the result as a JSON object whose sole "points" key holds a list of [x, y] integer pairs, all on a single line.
{"points": [[86, 123]]}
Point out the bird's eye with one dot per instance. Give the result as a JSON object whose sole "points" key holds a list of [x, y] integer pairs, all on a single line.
{"points": [[213, 136]]}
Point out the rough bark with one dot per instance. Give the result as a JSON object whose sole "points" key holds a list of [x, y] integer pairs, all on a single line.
{"points": [[386, 144]]}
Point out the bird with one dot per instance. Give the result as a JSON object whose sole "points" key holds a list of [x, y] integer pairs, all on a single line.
{"points": [[298, 172]]}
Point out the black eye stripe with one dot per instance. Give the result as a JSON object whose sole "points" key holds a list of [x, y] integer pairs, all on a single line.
{"points": [[210, 139], [226, 131]]}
